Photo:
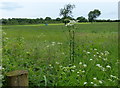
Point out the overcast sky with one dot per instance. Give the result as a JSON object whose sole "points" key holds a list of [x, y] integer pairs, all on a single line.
{"points": [[51, 8]]}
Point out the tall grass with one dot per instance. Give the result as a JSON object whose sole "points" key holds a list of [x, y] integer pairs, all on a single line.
{"points": [[44, 52]]}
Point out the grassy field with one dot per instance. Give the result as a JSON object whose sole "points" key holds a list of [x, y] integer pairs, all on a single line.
{"points": [[44, 52]]}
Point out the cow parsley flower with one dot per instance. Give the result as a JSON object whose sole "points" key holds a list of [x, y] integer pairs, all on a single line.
{"points": [[85, 83], [108, 66]]}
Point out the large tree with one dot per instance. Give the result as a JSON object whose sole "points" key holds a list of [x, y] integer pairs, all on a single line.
{"points": [[92, 15], [66, 12]]}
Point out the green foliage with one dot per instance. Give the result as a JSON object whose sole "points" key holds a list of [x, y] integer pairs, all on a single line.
{"points": [[44, 52], [67, 11], [81, 19], [93, 14]]}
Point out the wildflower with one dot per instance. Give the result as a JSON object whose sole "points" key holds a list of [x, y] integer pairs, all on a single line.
{"points": [[50, 65], [74, 66], [104, 59], [71, 23], [80, 63], [102, 53], [113, 76], [88, 52], [98, 65], [84, 65], [110, 79], [100, 82], [78, 72], [97, 52], [72, 70], [85, 83], [95, 84], [83, 71], [91, 59], [68, 24], [95, 49], [94, 55], [95, 78], [106, 52], [99, 56], [108, 66], [91, 82]]}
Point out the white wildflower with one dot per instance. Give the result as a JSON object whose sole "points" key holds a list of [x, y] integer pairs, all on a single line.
{"points": [[110, 79], [98, 65], [80, 63], [95, 49], [102, 53], [95, 84], [72, 70], [91, 82], [74, 66], [100, 82], [108, 66], [78, 72], [113, 76], [97, 52], [50, 65], [83, 71], [91, 59], [104, 59], [95, 78], [84, 65], [85, 83], [88, 52]]}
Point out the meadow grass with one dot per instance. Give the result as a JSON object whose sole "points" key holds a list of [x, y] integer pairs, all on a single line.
{"points": [[44, 52]]}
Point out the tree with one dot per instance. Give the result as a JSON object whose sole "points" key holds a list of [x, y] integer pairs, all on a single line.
{"points": [[81, 19], [66, 12], [92, 15], [57, 19], [47, 18]]}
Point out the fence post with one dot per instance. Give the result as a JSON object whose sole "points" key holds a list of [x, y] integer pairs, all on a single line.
{"points": [[17, 78]]}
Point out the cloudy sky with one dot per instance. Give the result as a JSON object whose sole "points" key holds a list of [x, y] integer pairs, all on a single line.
{"points": [[51, 8]]}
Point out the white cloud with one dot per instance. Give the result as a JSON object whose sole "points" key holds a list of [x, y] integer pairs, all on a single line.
{"points": [[10, 6]]}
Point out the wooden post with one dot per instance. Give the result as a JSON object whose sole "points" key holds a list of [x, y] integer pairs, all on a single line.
{"points": [[17, 78]]}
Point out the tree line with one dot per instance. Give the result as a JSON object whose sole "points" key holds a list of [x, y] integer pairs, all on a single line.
{"points": [[22, 21], [65, 12]]}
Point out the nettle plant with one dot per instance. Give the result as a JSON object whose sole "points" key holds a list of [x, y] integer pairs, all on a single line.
{"points": [[71, 29]]}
